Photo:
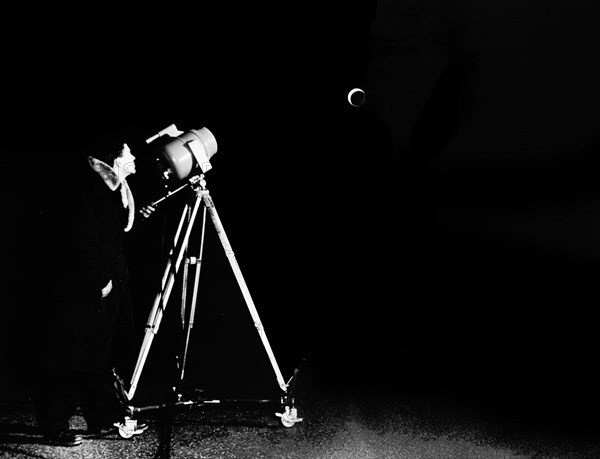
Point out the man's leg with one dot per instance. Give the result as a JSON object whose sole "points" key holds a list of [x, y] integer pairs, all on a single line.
{"points": [[57, 401], [99, 402]]}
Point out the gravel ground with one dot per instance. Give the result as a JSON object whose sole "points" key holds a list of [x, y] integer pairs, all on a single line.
{"points": [[337, 424]]}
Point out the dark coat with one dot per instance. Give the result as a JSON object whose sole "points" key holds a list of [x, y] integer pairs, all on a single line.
{"points": [[90, 333]]}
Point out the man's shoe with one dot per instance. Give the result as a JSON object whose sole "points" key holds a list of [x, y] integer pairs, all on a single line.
{"points": [[64, 438]]}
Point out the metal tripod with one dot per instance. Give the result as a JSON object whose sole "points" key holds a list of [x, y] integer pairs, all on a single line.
{"points": [[173, 265]]}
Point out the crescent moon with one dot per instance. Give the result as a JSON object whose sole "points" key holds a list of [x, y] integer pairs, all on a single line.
{"points": [[351, 93]]}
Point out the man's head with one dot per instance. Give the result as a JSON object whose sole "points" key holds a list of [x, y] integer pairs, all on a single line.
{"points": [[124, 164], [115, 153]]}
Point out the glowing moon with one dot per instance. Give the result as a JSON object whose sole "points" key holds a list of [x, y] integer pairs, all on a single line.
{"points": [[358, 95]]}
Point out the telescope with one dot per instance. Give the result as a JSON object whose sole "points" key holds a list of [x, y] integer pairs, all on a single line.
{"points": [[185, 153], [182, 155]]}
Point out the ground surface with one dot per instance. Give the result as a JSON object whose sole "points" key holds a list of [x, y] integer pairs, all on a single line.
{"points": [[339, 421]]}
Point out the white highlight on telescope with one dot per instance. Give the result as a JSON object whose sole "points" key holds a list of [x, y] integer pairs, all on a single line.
{"points": [[170, 130], [356, 97]]}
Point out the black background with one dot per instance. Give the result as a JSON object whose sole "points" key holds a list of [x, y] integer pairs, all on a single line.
{"points": [[444, 233]]}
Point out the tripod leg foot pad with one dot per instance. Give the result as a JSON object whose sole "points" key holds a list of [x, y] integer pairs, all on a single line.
{"points": [[130, 427], [289, 417]]}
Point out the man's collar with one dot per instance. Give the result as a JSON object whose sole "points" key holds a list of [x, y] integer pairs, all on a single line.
{"points": [[106, 172]]}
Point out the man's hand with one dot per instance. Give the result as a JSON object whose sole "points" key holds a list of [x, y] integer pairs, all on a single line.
{"points": [[106, 290], [146, 211]]}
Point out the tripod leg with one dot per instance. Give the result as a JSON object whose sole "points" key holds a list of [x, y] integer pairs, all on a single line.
{"points": [[161, 300], [157, 300], [198, 265], [184, 301], [208, 202]]}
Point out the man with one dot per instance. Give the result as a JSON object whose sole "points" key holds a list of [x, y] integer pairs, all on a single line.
{"points": [[93, 317]]}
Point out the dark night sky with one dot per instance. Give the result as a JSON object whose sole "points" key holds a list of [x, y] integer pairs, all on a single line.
{"points": [[469, 177]]}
